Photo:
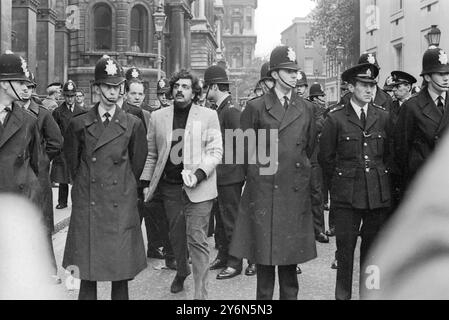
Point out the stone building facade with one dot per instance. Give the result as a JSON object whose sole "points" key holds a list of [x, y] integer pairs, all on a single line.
{"points": [[239, 35]]}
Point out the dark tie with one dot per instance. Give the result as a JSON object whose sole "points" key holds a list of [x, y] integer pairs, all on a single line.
{"points": [[440, 104], [106, 122], [363, 118], [286, 103]]}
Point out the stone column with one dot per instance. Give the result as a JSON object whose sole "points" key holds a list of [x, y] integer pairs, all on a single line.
{"points": [[45, 72], [5, 25], [177, 38], [62, 49], [202, 9], [24, 24]]}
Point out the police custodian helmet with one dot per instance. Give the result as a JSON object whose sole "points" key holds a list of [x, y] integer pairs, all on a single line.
{"points": [[435, 60], [316, 90], [163, 86], [283, 57], [133, 73], [13, 68], [69, 89], [302, 79], [109, 72], [216, 75]]}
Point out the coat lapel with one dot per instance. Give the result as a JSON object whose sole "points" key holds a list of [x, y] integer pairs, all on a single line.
{"points": [[13, 125], [115, 129], [274, 107], [371, 118], [352, 116], [169, 126], [445, 121], [429, 109], [294, 111], [92, 123]]}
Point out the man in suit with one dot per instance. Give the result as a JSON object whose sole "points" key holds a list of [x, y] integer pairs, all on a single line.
{"points": [[184, 149], [153, 213], [275, 223], [230, 176], [353, 154], [424, 118], [19, 134], [106, 150], [51, 142], [63, 114]]}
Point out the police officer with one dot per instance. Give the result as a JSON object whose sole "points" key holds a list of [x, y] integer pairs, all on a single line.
{"points": [[266, 82], [19, 134], [53, 94], [51, 142], [163, 93], [63, 114], [424, 118], [230, 176], [317, 96], [402, 84], [106, 150], [353, 154], [388, 87], [381, 98], [268, 231], [302, 84]]}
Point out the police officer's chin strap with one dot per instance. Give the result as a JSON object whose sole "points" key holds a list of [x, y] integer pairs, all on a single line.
{"points": [[287, 84], [438, 85], [15, 92], [104, 96]]}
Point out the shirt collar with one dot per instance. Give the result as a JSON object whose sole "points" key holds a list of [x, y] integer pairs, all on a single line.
{"points": [[434, 96], [102, 111], [358, 109], [281, 96], [27, 105], [220, 101]]}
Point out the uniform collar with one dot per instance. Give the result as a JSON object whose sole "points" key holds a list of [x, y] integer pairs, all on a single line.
{"points": [[435, 96], [102, 111], [358, 110], [222, 99], [281, 96]]}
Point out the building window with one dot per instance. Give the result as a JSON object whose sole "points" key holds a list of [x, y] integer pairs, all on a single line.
{"points": [[308, 43], [236, 27], [139, 23], [249, 23], [399, 59], [237, 58], [308, 66], [102, 27]]}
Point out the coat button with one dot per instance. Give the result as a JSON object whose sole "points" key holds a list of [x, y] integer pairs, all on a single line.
{"points": [[366, 157], [365, 144], [115, 182], [367, 170], [116, 121], [276, 187], [115, 205], [298, 165], [340, 174], [296, 189], [21, 187], [94, 160], [94, 181], [347, 138], [92, 203]]}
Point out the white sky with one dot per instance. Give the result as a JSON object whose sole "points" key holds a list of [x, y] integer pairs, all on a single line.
{"points": [[273, 17]]}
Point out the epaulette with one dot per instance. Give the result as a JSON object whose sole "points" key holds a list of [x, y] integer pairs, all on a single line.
{"points": [[337, 108], [379, 107]]}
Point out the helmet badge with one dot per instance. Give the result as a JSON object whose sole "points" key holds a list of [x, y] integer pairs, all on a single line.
{"points": [[111, 68], [291, 55]]}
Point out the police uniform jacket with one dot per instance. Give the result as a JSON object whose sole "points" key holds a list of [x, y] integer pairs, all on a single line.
{"points": [[105, 238], [418, 131], [275, 222], [51, 142], [140, 113], [354, 159], [19, 154], [59, 170], [229, 117]]}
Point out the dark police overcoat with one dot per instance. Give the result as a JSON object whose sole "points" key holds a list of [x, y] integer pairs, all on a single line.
{"points": [[105, 238], [275, 223]]}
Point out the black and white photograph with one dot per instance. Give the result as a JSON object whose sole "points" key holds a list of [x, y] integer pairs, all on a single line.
{"points": [[224, 150]]}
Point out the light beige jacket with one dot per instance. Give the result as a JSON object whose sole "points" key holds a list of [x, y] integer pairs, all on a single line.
{"points": [[202, 149]]}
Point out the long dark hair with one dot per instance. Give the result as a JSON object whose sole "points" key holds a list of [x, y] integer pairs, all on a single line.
{"points": [[185, 74]]}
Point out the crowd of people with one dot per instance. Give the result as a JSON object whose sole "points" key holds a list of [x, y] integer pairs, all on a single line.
{"points": [[177, 167]]}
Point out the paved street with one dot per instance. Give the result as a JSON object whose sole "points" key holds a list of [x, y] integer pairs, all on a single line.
{"points": [[316, 283]]}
